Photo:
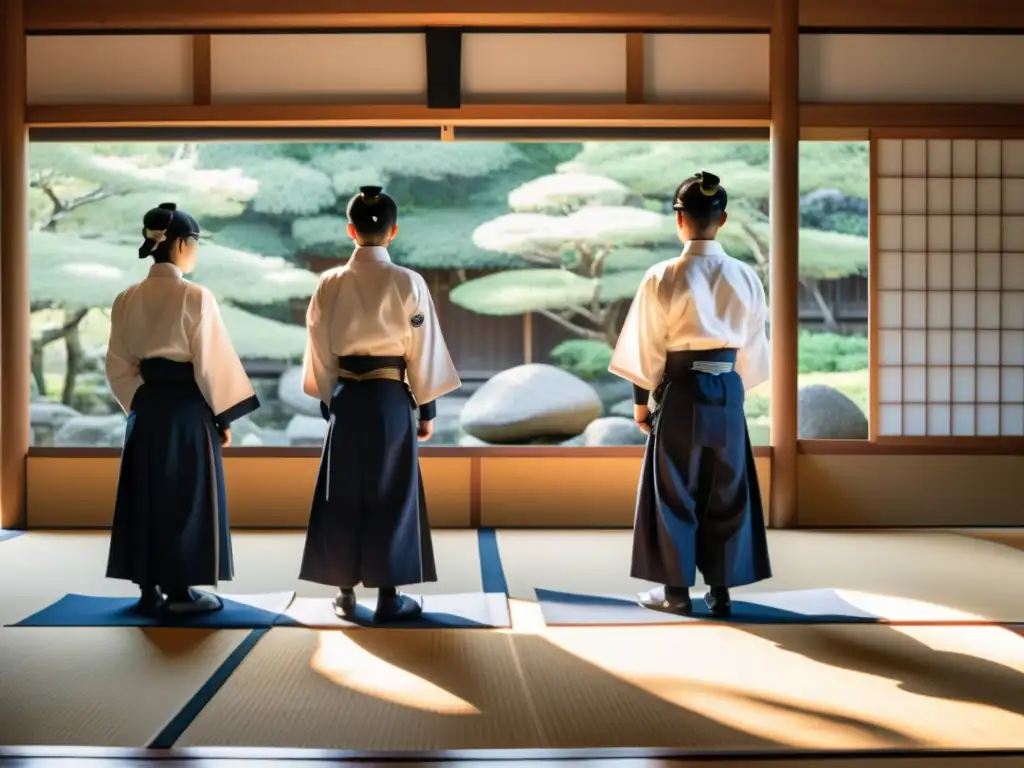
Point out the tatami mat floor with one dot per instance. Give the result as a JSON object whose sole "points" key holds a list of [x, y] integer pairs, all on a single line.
{"points": [[703, 687]]}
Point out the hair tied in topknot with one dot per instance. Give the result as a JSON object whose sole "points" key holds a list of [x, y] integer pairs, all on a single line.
{"points": [[709, 183], [168, 206], [371, 194]]}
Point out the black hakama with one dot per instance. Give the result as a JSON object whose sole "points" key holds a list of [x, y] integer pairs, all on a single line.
{"points": [[368, 521], [170, 516], [699, 504]]}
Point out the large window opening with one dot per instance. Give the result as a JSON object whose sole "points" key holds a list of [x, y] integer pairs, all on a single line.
{"points": [[533, 252], [834, 377]]}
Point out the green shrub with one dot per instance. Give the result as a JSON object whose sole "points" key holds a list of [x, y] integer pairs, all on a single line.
{"points": [[831, 353], [583, 358], [757, 406]]}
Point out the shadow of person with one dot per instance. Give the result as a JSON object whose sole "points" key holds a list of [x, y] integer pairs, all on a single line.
{"points": [[893, 653], [574, 703]]}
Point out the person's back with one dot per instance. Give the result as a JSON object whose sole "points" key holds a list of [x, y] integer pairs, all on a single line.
{"points": [[375, 353], [695, 338], [173, 369]]}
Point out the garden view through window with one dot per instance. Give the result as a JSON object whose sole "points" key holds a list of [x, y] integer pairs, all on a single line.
{"points": [[533, 252]]}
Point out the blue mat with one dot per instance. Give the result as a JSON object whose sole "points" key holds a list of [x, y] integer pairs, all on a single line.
{"points": [[7, 535], [807, 606], [492, 573], [259, 611], [465, 611]]}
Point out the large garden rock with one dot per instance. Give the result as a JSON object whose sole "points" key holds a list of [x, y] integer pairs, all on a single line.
{"points": [[306, 430], [447, 429], [623, 408], [613, 430], [245, 433], [289, 389], [530, 402], [612, 390], [46, 417], [825, 413], [49, 414], [92, 432]]}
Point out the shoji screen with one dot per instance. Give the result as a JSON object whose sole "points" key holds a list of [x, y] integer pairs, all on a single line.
{"points": [[949, 284]]}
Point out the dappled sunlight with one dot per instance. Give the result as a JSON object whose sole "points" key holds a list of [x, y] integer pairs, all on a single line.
{"points": [[527, 618], [346, 664], [995, 644], [894, 608], [756, 685]]}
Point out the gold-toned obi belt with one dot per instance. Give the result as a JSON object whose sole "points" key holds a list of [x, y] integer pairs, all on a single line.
{"points": [[366, 368], [377, 374]]}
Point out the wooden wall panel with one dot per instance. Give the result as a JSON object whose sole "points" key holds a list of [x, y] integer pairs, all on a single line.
{"points": [[539, 68], [340, 68], [922, 69], [275, 492], [909, 491], [733, 68], [102, 69], [262, 492]]}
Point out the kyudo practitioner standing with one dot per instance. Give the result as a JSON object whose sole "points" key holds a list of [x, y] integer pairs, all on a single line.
{"points": [[375, 353], [695, 337], [173, 369]]}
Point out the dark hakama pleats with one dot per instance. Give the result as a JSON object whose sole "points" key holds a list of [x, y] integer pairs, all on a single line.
{"points": [[170, 516], [368, 521], [699, 504]]}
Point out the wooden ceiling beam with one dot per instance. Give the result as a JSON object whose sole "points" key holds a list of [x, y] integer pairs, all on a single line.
{"points": [[219, 15], [49, 16], [396, 115]]}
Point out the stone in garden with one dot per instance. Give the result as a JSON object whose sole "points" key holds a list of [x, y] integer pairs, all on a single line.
{"points": [[529, 402], [49, 414], [289, 390], [614, 430], [306, 430], [825, 413], [622, 408], [612, 390], [244, 432], [92, 432]]}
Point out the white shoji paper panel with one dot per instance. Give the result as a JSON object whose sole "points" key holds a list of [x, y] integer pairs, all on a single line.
{"points": [[949, 285]]}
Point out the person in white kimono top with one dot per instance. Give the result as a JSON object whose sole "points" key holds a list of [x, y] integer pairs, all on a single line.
{"points": [[174, 372], [694, 341], [377, 362]]}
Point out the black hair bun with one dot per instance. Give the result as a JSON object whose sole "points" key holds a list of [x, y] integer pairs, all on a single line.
{"points": [[709, 183], [168, 206], [371, 192]]}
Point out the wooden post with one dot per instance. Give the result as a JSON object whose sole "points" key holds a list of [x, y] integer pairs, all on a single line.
{"points": [[783, 266], [527, 338], [635, 87], [15, 344], [202, 81]]}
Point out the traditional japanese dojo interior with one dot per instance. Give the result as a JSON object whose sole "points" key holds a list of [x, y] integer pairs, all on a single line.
{"points": [[874, 156]]}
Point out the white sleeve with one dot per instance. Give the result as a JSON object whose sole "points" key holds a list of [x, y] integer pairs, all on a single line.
{"points": [[640, 353], [319, 365], [429, 366], [218, 370], [122, 368], [753, 360]]}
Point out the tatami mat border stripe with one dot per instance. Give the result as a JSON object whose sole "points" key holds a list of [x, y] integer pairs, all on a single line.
{"points": [[181, 721], [492, 573], [8, 535]]}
